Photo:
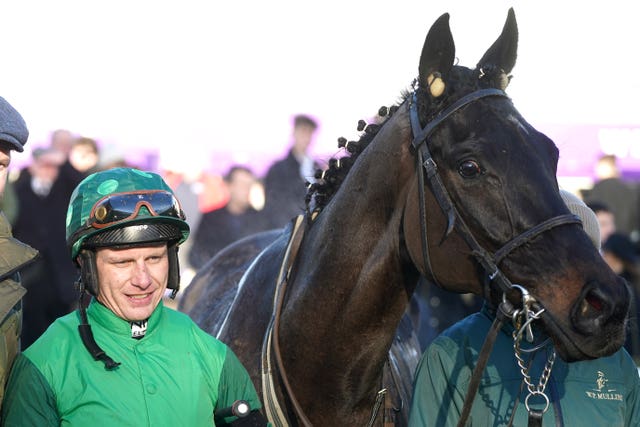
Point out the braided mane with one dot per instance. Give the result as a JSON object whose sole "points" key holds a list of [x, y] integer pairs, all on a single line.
{"points": [[328, 181]]}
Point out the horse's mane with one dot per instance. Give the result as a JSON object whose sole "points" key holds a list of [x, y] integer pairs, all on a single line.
{"points": [[327, 181]]}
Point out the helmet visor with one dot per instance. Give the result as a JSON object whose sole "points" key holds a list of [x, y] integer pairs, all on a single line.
{"points": [[120, 207]]}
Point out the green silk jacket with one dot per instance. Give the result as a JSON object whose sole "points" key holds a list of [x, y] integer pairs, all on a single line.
{"points": [[176, 375]]}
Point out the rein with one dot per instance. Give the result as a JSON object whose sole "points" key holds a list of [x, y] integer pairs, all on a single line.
{"points": [[489, 263]]}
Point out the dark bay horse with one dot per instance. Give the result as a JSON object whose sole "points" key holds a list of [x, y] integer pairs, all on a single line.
{"points": [[454, 185]]}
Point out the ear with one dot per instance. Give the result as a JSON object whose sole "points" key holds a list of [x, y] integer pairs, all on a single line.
{"points": [[502, 54], [438, 54]]}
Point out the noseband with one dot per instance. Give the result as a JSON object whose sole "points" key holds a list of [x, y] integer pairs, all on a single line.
{"points": [[425, 161]]}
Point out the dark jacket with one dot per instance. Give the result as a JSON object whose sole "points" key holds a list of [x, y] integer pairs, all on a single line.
{"points": [[218, 229], [49, 281], [285, 191]]}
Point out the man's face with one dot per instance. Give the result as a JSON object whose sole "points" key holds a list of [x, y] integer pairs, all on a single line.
{"points": [[302, 138], [5, 160], [132, 281], [83, 158], [240, 188]]}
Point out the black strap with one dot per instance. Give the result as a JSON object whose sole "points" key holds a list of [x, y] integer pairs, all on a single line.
{"points": [[535, 418], [86, 335], [534, 232], [90, 344]]}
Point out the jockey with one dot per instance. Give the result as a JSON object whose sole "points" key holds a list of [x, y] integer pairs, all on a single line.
{"points": [[127, 360]]}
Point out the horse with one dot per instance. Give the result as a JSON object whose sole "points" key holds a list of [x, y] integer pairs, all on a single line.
{"points": [[453, 185]]}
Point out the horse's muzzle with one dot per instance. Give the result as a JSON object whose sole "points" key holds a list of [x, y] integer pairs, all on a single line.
{"points": [[601, 311]]}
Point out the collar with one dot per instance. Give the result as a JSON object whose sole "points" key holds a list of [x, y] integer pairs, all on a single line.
{"points": [[101, 315]]}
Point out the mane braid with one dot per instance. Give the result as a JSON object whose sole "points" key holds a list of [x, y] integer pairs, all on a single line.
{"points": [[327, 182]]}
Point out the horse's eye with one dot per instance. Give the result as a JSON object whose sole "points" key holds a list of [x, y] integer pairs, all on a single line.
{"points": [[469, 169]]}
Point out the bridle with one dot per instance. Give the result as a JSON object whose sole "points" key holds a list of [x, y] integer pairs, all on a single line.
{"points": [[425, 164], [424, 160]]}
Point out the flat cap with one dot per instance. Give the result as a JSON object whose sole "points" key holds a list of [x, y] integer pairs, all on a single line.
{"points": [[13, 129], [586, 215]]}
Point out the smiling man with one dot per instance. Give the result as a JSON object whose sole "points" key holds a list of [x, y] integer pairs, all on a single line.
{"points": [[126, 360]]}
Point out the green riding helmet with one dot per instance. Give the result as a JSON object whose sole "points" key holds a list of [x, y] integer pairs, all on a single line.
{"points": [[121, 198], [123, 207]]}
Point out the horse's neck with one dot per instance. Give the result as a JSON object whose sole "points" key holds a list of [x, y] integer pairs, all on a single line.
{"points": [[350, 287]]}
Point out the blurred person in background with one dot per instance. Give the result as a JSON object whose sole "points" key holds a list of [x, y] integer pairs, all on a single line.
{"points": [[84, 155], [235, 220], [621, 254], [606, 219], [184, 176], [284, 183], [42, 205], [620, 195], [15, 254], [61, 140]]}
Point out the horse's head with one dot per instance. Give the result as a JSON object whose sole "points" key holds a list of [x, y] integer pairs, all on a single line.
{"points": [[499, 175]]}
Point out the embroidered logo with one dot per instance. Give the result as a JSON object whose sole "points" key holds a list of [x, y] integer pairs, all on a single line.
{"points": [[601, 391], [138, 329]]}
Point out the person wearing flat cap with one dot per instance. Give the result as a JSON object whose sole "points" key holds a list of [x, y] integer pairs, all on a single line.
{"points": [[14, 255]]}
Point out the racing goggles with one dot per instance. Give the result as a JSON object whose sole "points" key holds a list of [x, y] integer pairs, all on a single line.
{"points": [[125, 206]]}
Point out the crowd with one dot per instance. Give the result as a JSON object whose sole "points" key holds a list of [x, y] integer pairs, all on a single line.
{"points": [[67, 197]]}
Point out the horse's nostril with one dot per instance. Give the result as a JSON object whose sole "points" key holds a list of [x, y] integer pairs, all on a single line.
{"points": [[594, 301]]}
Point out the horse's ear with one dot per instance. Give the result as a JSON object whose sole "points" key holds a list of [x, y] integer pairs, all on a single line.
{"points": [[438, 54], [502, 54]]}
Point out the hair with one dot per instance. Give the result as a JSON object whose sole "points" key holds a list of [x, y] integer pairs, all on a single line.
{"points": [[236, 168], [88, 142], [304, 120], [596, 207]]}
